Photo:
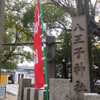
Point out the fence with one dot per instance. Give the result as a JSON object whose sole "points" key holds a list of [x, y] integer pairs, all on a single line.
{"points": [[27, 92], [32, 94]]}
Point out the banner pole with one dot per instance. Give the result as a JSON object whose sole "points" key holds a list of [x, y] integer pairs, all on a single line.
{"points": [[44, 52]]}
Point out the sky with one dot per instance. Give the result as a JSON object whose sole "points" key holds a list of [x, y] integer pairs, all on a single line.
{"points": [[26, 64], [93, 1]]}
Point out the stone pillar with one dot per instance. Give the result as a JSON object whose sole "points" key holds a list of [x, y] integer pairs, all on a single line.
{"points": [[80, 58], [22, 84], [51, 49]]}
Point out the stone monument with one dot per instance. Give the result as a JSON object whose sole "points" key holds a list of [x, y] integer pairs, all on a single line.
{"points": [[80, 58]]}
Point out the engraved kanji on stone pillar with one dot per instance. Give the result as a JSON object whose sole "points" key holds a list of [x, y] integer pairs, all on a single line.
{"points": [[80, 61]]}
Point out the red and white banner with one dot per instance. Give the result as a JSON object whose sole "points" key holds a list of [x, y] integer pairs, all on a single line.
{"points": [[38, 54]]}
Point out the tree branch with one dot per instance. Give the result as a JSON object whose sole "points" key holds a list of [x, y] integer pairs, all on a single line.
{"points": [[68, 8]]}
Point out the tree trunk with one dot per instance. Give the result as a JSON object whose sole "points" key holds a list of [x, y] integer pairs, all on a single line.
{"points": [[2, 32]]}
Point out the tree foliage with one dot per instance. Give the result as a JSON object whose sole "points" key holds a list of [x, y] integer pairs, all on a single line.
{"points": [[15, 33], [19, 28], [51, 14]]}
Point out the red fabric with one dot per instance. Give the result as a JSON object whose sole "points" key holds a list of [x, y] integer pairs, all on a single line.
{"points": [[38, 54]]}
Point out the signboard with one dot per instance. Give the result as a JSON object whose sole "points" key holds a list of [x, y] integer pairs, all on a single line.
{"points": [[3, 79], [80, 61]]}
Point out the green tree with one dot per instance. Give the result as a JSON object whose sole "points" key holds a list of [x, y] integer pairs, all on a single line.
{"points": [[14, 33], [55, 19]]}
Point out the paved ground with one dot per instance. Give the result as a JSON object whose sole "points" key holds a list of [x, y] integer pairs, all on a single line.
{"points": [[12, 88], [9, 97], [12, 92]]}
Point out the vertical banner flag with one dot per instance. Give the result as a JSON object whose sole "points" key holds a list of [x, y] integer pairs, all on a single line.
{"points": [[44, 54], [38, 54]]}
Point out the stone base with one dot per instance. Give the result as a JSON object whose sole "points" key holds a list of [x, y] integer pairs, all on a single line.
{"points": [[91, 96], [59, 89], [62, 89]]}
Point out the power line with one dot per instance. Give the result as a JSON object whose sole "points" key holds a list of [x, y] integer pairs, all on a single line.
{"points": [[15, 44], [24, 44]]}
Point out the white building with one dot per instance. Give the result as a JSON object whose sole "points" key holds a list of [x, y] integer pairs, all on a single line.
{"points": [[24, 71]]}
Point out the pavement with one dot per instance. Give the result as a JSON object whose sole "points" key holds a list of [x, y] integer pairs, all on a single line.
{"points": [[11, 92], [10, 97], [12, 89]]}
